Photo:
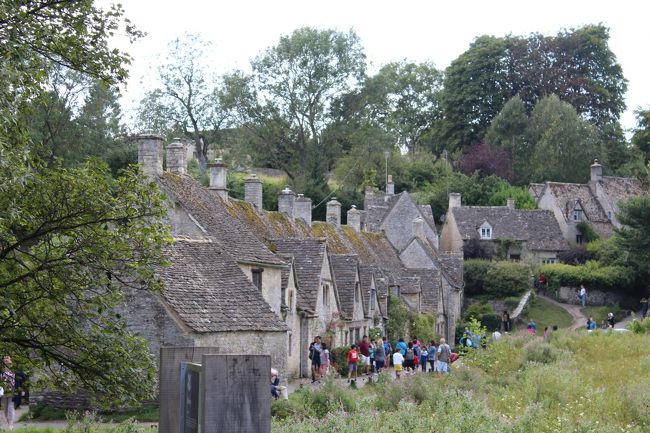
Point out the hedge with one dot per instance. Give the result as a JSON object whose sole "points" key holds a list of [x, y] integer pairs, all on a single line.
{"points": [[605, 278], [505, 279], [474, 272]]}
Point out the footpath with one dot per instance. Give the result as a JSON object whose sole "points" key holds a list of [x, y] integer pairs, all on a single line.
{"points": [[579, 319]]}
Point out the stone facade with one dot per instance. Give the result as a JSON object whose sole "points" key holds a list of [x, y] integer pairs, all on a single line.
{"points": [[569, 295]]}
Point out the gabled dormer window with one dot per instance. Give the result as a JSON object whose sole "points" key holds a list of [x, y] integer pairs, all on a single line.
{"points": [[578, 215], [485, 231]]}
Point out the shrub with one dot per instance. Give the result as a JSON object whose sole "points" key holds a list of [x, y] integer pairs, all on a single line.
{"points": [[592, 275], [640, 326], [398, 319], [339, 360], [491, 321], [507, 279], [422, 326], [474, 271], [540, 351]]}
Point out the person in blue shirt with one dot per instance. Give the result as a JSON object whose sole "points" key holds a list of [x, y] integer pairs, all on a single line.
{"points": [[401, 346]]}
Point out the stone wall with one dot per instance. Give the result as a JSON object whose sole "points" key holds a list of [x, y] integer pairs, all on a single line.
{"points": [[271, 284], [594, 297], [251, 343]]}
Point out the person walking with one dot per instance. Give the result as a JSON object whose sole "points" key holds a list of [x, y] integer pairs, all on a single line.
{"points": [[8, 383], [325, 361], [388, 350], [505, 321], [380, 355], [353, 358], [424, 355], [583, 295], [431, 356], [401, 345], [364, 350], [444, 352], [398, 360], [315, 353]]}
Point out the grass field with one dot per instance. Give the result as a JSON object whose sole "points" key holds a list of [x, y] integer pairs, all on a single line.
{"points": [[574, 383], [546, 314]]}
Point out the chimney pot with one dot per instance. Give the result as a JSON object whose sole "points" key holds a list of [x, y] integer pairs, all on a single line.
{"points": [[176, 157], [354, 219], [219, 178], [510, 203], [454, 200], [333, 213], [596, 171], [286, 200], [253, 192], [150, 153], [302, 209], [418, 228], [390, 186]]}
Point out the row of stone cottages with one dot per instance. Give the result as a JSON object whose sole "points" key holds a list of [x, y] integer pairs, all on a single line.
{"points": [[250, 281], [540, 235]]}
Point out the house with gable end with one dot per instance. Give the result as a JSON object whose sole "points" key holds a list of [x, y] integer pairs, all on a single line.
{"points": [[528, 235], [595, 203]]}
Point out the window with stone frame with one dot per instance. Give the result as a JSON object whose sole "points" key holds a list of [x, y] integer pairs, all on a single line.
{"points": [[373, 294], [326, 294], [580, 239], [290, 344], [357, 292], [485, 231], [578, 214], [549, 260], [257, 277]]}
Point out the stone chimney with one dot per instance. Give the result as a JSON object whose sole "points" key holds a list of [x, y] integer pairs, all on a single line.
{"points": [[596, 171], [253, 191], [454, 199], [150, 154], [354, 219], [176, 157], [418, 228], [302, 209], [219, 178], [333, 213], [286, 199], [390, 186], [510, 203]]}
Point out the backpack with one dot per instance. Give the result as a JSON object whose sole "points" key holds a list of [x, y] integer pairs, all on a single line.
{"points": [[453, 357], [311, 352], [409, 354]]}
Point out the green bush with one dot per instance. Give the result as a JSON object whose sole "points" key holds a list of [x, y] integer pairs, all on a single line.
{"points": [[606, 278], [505, 279], [474, 272], [491, 321], [339, 360], [422, 326], [640, 326], [540, 351]]}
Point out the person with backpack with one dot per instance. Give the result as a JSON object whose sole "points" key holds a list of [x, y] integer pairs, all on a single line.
{"points": [[325, 361], [315, 351], [409, 357], [353, 358], [444, 351], [380, 355], [388, 350], [431, 356], [424, 354], [401, 346], [416, 355]]}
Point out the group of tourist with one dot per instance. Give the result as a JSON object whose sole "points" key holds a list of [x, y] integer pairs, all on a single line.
{"points": [[369, 357], [12, 390]]}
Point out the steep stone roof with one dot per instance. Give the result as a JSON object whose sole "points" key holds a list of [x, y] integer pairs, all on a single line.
{"points": [[538, 228], [568, 194], [536, 189], [621, 188], [429, 281], [209, 293], [344, 268], [212, 213], [409, 284], [308, 255], [452, 268]]}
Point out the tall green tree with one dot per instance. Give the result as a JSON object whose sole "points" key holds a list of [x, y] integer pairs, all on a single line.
{"points": [[634, 237], [70, 238], [560, 139], [641, 137], [285, 103], [576, 65], [188, 99], [508, 131]]}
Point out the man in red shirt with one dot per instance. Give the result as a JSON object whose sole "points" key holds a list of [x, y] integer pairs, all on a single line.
{"points": [[364, 349]]}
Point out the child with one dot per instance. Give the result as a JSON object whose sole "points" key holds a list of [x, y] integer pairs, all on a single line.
{"points": [[398, 360], [423, 358], [325, 361], [353, 357]]}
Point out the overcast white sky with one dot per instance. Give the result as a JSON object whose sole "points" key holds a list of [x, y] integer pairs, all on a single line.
{"points": [[389, 30]]}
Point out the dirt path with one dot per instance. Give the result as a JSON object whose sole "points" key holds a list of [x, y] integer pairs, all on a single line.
{"points": [[579, 320]]}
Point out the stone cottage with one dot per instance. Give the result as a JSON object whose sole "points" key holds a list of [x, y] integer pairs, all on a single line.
{"points": [[595, 203], [516, 234], [303, 278]]}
